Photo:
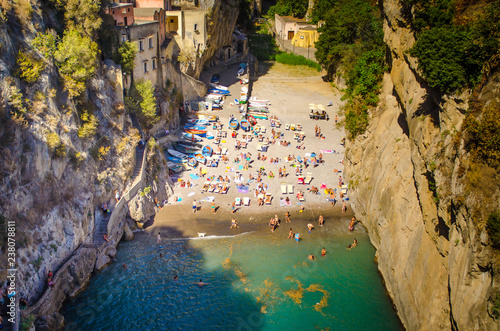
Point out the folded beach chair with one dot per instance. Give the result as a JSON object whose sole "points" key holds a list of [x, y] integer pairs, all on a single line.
{"points": [[283, 188], [344, 189], [268, 199], [224, 150], [308, 178], [224, 191], [237, 201], [246, 201], [260, 196], [212, 188], [290, 188]]}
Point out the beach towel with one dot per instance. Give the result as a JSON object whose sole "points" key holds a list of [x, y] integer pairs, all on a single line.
{"points": [[240, 167], [326, 151], [208, 199], [191, 194], [194, 176], [242, 189]]}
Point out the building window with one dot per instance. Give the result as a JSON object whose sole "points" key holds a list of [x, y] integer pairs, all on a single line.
{"points": [[150, 42], [196, 27], [145, 67], [154, 64], [124, 38], [129, 10], [124, 11], [113, 11], [141, 45], [171, 20]]}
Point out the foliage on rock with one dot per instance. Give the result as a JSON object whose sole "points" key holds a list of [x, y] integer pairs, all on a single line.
{"points": [[126, 56], [494, 229], [143, 101], [89, 125], [30, 67], [76, 58], [295, 8], [46, 43]]}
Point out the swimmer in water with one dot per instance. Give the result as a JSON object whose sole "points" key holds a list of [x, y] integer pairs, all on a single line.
{"points": [[124, 266], [353, 244], [175, 277], [311, 257], [321, 220], [323, 252], [200, 283]]}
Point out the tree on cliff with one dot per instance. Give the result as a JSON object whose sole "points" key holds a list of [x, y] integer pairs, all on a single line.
{"points": [[126, 56], [295, 8], [76, 58], [143, 101]]}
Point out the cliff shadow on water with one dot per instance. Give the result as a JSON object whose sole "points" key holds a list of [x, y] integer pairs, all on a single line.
{"points": [[139, 291]]}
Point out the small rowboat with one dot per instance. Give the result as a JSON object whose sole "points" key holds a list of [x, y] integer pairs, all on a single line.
{"points": [[210, 118], [260, 116], [189, 144], [221, 92], [190, 137], [176, 153], [251, 120], [218, 87], [207, 151], [192, 162], [184, 149], [198, 121], [175, 167], [233, 124], [261, 109], [195, 127], [200, 158], [176, 159], [245, 125], [201, 133]]}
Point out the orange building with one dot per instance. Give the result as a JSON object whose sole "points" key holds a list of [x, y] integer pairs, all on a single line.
{"points": [[123, 13], [164, 4]]}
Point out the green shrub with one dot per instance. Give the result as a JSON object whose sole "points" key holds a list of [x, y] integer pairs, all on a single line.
{"points": [[29, 67], [356, 117], [46, 43], [102, 152], [292, 59], [27, 322], [143, 101], [89, 125], [16, 101], [55, 144], [126, 56], [296, 8], [76, 58], [493, 227]]}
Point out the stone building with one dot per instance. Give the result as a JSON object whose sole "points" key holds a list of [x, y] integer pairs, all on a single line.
{"points": [[123, 13], [287, 26]]}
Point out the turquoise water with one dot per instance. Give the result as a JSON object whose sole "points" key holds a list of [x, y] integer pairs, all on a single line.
{"points": [[257, 281]]}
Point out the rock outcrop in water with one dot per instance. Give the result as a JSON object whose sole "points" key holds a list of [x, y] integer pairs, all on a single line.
{"points": [[421, 198]]}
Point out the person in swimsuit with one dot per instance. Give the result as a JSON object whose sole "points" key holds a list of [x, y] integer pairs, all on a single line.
{"points": [[351, 224], [353, 244], [287, 217], [311, 257], [194, 206], [297, 237], [290, 234], [213, 207], [321, 220], [323, 252], [158, 238], [234, 224], [200, 283], [310, 227]]}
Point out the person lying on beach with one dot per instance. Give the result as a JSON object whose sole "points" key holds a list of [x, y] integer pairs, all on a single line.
{"points": [[200, 283]]}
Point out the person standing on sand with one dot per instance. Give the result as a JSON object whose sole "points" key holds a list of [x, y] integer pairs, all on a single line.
{"points": [[194, 206], [344, 207], [302, 209], [287, 217], [290, 234], [336, 119], [297, 237], [213, 207], [233, 208]]}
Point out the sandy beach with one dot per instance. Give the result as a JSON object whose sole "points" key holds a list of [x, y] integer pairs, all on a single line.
{"points": [[290, 93]]}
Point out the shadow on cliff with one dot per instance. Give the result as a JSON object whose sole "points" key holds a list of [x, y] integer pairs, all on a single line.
{"points": [[138, 291]]}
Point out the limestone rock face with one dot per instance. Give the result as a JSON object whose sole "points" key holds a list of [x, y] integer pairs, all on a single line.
{"points": [[408, 189]]}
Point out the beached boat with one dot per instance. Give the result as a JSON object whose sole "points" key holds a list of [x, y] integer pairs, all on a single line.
{"points": [[195, 127], [207, 151], [190, 137], [176, 159], [198, 121], [189, 144], [233, 124], [245, 125], [259, 116], [221, 92], [210, 118], [184, 149], [192, 162], [200, 158], [251, 119], [259, 101], [218, 87], [200, 133], [178, 154], [260, 109], [175, 167]]}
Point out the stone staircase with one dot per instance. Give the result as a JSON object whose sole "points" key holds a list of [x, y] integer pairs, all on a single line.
{"points": [[139, 154], [101, 228]]}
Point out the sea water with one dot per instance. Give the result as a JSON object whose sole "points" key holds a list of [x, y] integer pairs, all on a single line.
{"points": [[256, 281]]}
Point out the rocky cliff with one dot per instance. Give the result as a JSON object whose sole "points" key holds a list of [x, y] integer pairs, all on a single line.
{"points": [[421, 198]]}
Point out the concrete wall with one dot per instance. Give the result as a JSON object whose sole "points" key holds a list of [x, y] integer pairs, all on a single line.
{"points": [[194, 31], [190, 88]]}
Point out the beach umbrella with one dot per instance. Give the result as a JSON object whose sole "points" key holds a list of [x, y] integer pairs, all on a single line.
{"points": [[320, 107], [312, 106]]}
